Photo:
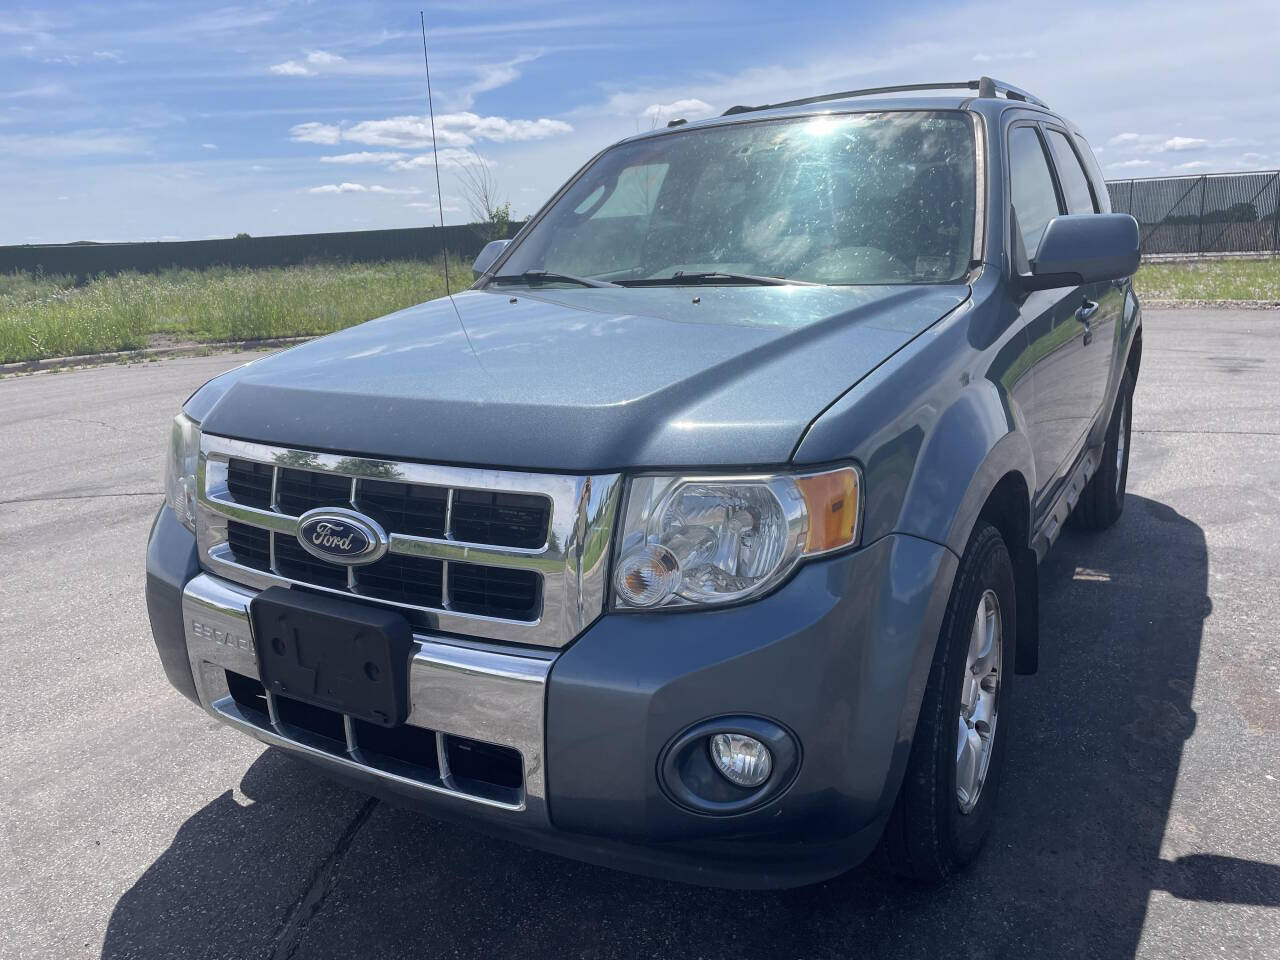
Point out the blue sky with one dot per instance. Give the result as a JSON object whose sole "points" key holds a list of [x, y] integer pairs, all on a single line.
{"points": [[176, 120]]}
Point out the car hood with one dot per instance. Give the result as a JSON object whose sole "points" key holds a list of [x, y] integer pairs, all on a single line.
{"points": [[578, 379]]}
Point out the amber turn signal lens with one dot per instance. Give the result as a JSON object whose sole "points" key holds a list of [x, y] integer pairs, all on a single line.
{"points": [[832, 499]]}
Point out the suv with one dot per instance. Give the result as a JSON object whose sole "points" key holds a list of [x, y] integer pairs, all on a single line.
{"points": [[700, 536]]}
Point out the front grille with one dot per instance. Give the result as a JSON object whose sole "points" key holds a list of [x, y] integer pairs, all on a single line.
{"points": [[250, 546], [474, 516], [417, 581], [296, 564], [250, 483], [301, 490], [494, 591], [504, 519], [405, 507], [477, 552]]}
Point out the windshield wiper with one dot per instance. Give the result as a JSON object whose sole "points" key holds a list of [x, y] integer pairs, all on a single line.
{"points": [[546, 276], [711, 277]]}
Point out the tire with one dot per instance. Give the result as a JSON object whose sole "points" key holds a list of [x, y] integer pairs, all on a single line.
{"points": [[1103, 498], [934, 829]]}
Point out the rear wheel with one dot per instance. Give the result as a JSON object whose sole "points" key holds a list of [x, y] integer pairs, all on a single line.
{"points": [[947, 801], [1103, 498]]}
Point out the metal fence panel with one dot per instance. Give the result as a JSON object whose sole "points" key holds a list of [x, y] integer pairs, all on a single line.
{"points": [[361, 246], [1211, 213]]}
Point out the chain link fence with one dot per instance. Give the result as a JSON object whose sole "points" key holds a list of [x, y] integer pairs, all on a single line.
{"points": [[1215, 213]]}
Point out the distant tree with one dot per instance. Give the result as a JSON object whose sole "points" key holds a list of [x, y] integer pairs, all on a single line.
{"points": [[242, 236], [480, 187]]}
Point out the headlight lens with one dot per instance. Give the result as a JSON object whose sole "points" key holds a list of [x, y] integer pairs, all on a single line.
{"points": [[180, 469], [690, 540]]}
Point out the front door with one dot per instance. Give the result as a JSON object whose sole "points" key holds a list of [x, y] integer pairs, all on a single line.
{"points": [[1054, 413]]}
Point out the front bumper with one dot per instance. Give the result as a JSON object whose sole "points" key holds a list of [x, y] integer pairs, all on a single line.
{"points": [[840, 656]]}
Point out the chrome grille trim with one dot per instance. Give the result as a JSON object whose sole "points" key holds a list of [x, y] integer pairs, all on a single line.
{"points": [[582, 510]]}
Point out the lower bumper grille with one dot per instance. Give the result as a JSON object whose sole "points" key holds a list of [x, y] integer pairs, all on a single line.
{"points": [[472, 766], [476, 720]]}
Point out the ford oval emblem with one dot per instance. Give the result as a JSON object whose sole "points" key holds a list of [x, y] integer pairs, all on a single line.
{"points": [[341, 536]]}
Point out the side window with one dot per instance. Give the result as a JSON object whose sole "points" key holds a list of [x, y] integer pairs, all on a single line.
{"points": [[1095, 174], [1035, 202], [1075, 185]]}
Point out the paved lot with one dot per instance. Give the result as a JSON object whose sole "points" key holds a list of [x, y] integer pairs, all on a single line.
{"points": [[1140, 815]]}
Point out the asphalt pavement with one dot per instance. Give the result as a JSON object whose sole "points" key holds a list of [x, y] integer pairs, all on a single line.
{"points": [[1140, 815]]}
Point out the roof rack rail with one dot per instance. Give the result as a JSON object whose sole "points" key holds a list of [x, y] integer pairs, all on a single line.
{"points": [[985, 86]]}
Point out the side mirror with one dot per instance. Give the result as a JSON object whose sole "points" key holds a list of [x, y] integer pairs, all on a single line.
{"points": [[1085, 248], [485, 260]]}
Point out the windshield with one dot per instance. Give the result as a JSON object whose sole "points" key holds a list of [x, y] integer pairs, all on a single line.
{"points": [[839, 199]]}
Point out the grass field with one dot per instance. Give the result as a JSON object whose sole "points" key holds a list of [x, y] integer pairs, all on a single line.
{"points": [[1210, 280], [51, 317]]}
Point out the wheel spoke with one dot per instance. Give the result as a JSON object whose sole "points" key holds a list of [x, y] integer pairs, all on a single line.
{"points": [[975, 730], [968, 766]]}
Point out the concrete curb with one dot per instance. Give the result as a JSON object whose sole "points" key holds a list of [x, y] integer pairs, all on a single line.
{"points": [[148, 353]]}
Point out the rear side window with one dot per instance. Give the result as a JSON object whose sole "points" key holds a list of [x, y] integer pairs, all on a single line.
{"points": [[1035, 202], [1095, 174], [1075, 185]]}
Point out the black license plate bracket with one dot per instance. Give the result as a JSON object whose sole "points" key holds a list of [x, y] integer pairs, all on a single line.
{"points": [[332, 653]]}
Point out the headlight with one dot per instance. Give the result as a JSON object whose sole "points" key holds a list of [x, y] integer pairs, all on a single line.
{"points": [[711, 540], [180, 469]]}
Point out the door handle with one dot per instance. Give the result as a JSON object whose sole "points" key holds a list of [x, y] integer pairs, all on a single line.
{"points": [[1084, 313]]}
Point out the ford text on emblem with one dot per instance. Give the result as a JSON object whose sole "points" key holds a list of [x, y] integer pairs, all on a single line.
{"points": [[341, 536]]}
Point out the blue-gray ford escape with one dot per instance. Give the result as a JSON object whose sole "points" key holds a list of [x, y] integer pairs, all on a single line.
{"points": [[700, 536]]}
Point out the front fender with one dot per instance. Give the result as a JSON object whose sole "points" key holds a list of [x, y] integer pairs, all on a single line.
{"points": [[935, 427]]}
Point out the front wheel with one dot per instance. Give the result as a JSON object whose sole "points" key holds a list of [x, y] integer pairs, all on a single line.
{"points": [[947, 801]]}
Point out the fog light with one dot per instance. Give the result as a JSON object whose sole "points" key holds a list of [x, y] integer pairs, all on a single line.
{"points": [[741, 759], [647, 576]]}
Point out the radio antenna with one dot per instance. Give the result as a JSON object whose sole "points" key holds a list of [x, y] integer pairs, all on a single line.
{"points": [[435, 159]]}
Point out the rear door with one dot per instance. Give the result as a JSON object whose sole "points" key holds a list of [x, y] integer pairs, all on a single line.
{"points": [[1100, 304], [1053, 412]]}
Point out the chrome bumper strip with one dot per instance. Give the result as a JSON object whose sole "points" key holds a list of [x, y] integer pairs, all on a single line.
{"points": [[495, 698]]}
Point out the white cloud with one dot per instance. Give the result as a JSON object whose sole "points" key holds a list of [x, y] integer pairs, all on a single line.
{"points": [[1004, 56], [43, 90], [108, 55], [1129, 164], [690, 108], [290, 68], [365, 156], [209, 146], [452, 129], [81, 144], [449, 157], [492, 76], [1184, 143], [322, 58], [1193, 165], [326, 133], [448, 208], [361, 188]]}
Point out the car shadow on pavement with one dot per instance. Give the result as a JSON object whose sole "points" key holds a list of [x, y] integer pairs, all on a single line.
{"points": [[1068, 871]]}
